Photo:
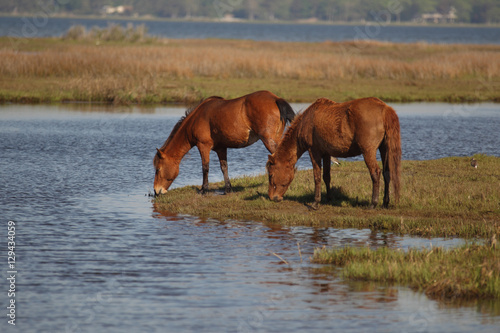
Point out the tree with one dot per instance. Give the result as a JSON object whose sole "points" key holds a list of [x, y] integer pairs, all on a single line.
{"points": [[302, 9], [485, 11], [415, 8], [475, 11]]}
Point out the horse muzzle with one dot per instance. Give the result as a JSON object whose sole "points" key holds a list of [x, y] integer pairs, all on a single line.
{"points": [[160, 191], [277, 198]]}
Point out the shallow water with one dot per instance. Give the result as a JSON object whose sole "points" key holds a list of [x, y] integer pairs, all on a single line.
{"points": [[53, 27], [94, 255]]}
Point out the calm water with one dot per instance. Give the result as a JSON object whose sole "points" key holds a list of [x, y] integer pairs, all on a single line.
{"points": [[94, 255], [43, 26]]}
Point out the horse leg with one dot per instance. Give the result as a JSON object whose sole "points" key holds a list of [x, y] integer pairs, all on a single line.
{"points": [[205, 165], [269, 143], [374, 169], [316, 162], [222, 153], [387, 175], [326, 175]]}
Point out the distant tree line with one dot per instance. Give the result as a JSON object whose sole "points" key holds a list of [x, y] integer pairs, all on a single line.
{"points": [[467, 11]]}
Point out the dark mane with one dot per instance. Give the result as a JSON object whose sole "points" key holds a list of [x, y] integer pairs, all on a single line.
{"points": [[189, 110], [298, 118], [295, 123]]}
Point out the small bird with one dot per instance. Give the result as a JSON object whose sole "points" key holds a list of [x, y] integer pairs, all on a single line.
{"points": [[492, 242], [335, 161], [473, 163]]}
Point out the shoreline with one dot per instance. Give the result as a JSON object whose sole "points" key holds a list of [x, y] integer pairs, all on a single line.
{"points": [[247, 21], [439, 198]]}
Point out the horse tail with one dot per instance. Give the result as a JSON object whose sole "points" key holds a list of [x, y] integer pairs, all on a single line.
{"points": [[286, 112], [393, 149]]}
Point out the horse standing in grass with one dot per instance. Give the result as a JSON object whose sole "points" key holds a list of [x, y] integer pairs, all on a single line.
{"points": [[347, 129], [217, 124]]}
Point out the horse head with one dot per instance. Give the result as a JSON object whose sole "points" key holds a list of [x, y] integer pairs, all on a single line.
{"points": [[280, 176], [165, 172]]}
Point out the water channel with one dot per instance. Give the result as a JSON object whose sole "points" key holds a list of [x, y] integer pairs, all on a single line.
{"points": [[94, 255]]}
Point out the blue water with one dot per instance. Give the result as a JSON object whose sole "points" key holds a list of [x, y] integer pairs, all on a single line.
{"points": [[46, 26], [95, 255]]}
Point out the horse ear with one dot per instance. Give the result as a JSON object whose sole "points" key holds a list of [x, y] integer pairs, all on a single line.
{"points": [[159, 153]]}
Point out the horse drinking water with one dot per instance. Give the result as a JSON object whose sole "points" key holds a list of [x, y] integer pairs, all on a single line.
{"points": [[217, 124], [347, 129]]}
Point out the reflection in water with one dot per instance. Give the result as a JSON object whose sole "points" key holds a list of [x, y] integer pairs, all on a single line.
{"points": [[308, 292]]}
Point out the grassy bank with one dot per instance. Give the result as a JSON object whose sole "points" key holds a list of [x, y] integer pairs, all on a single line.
{"points": [[439, 198], [94, 69], [468, 272]]}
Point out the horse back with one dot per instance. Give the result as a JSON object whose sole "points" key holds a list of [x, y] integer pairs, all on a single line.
{"points": [[347, 129], [261, 109], [258, 112], [233, 123]]}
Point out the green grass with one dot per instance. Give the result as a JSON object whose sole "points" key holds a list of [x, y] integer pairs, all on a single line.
{"points": [[439, 198], [467, 272]]}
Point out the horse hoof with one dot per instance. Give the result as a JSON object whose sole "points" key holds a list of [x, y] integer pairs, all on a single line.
{"points": [[313, 206]]}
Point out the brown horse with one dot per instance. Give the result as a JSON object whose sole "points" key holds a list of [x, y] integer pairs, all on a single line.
{"points": [[217, 124], [347, 129]]}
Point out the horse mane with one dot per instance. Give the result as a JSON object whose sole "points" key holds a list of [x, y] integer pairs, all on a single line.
{"points": [[295, 123], [189, 110], [320, 102]]}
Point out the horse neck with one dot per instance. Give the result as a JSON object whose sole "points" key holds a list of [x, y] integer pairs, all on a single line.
{"points": [[290, 148], [177, 146]]}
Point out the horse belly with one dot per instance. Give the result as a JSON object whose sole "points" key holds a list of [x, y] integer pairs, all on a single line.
{"points": [[336, 144], [236, 138], [351, 152], [344, 150]]}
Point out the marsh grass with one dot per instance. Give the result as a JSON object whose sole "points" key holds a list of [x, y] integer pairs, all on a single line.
{"points": [[108, 65], [467, 272], [439, 198], [112, 33]]}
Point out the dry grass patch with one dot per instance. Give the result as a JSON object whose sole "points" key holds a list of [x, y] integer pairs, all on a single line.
{"points": [[138, 72]]}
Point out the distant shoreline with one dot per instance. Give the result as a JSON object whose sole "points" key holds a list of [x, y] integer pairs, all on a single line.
{"points": [[246, 21]]}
